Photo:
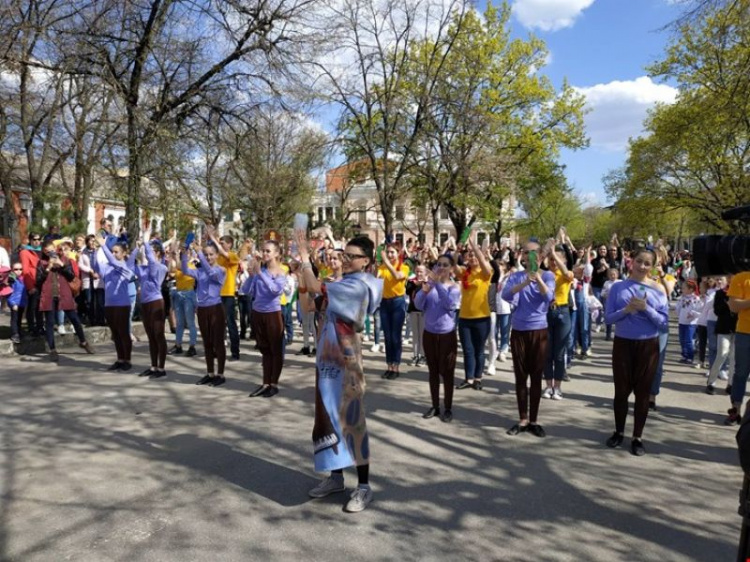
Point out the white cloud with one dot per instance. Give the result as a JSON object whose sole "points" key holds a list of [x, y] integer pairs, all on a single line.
{"points": [[549, 15], [618, 108]]}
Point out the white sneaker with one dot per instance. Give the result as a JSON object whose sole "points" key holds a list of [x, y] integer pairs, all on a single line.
{"points": [[491, 371], [326, 487], [587, 353], [598, 328], [548, 392], [365, 338], [359, 500], [375, 348], [700, 366], [61, 330], [503, 357], [723, 375], [557, 394]]}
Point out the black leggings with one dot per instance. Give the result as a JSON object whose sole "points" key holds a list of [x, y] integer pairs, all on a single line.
{"points": [[212, 323], [118, 319], [529, 349], [702, 342], [440, 350], [363, 473], [634, 365], [269, 333], [72, 315], [153, 316]]}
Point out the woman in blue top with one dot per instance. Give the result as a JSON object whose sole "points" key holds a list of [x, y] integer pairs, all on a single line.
{"points": [[117, 274], [439, 299], [340, 437], [639, 309], [151, 272], [212, 320]]}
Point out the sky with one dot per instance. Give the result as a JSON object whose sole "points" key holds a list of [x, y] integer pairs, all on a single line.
{"points": [[602, 47]]}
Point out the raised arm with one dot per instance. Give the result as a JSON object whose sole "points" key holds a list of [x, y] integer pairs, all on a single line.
{"points": [[483, 263]]}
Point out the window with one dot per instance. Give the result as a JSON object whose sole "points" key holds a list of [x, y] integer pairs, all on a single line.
{"points": [[400, 238], [330, 215], [400, 212], [443, 238], [443, 213], [362, 217], [321, 216], [421, 213]]}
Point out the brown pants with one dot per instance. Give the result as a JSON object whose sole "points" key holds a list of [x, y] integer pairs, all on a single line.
{"points": [[269, 334], [529, 349], [440, 350], [634, 365], [118, 320], [212, 322], [153, 316]]}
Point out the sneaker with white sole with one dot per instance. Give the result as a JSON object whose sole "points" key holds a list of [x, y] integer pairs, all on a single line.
{"points": [[557, 395], [326, 487], [548, 392], [375, 348], [491, 371], [503, 357], [359, 500], [61, 330], [723, 376]]}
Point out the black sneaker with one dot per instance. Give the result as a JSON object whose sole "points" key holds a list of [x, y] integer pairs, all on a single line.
{"points": [[176, 350], [124, 367], [446, 416], [15, 339], [393, 375], [304, 351], [205, 380], [637, 448], [217, 380], [478, 384], [536, 429], [615, 440], [235, 357], [114, 366], [145, 373], [258, 391], [191, 351], [157, 374], [464, 385], [270, 392], [733, 418], [710, 389]]}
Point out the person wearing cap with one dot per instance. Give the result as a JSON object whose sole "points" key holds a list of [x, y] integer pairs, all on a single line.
{"points": [[151, 272]]}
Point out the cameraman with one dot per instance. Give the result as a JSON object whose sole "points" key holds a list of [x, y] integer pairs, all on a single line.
{"points": [[739, 303]]}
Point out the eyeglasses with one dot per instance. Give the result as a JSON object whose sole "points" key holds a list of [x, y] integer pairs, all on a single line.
{"points": [[17, 269], [443, 264], [36, 239], [350, 257]]}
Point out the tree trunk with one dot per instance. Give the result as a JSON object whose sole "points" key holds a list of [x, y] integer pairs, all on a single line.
{"points": [[132, 198]]}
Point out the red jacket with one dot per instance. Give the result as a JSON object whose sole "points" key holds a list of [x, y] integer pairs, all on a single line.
{"points": [[29, 261], [44, 280]]}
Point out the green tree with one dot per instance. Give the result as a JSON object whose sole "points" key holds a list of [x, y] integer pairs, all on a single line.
{"points": [[696, 153]]}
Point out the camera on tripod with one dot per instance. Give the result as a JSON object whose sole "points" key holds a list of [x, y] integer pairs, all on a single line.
{"points": [[722, 255]]}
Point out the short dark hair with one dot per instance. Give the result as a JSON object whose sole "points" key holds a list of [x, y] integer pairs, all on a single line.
{"points": [[365, 244], [447, 257], [227, 238]]}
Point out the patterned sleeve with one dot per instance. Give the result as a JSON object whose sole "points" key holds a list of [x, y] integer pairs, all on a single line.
{"points": [[348, 300]]}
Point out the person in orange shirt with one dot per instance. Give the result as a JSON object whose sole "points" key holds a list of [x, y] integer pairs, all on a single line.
{"points": [[394, 273], [739, 303], [230, 261]]}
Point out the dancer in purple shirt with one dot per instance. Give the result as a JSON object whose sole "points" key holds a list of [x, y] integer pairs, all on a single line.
{"points": [[639, 309], [532, 291], [117, 273], [151, 273], [212, 320], [438, 299]]}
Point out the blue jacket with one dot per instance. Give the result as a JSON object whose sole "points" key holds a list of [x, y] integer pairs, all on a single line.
{"points": [[18, 297]]}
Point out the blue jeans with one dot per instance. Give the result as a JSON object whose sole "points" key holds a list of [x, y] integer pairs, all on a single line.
{"points": [[392, 317], [51, 317], [571, 346], [183, 303], [741, 367], [502, 327], [687, 334], [581, 329], [473, 333], [711, 340], [286, 314], [234, 335], [663, 341], [558, 325]]}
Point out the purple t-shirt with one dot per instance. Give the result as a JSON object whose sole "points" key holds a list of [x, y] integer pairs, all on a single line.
{"points": [[439, 307], [265, 290], [641, 325], [151, 277], [209, 281], [117, 276], [531, 304]]}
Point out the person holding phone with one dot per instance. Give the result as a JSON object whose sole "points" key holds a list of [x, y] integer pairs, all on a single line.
{"points": [[394, 274], [533, 290], [474, 319], [639, 310]]}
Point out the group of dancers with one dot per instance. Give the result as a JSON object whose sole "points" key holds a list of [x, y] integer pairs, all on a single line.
{"points": [[452, 295]]}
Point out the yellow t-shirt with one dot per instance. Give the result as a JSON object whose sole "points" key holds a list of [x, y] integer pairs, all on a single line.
{"points": [[393, 287], [231, 264], [740, 289], [474, 296], [184, 282], [562, 288]]}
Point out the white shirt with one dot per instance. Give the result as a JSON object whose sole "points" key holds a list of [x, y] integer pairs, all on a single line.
{"points": [[4, 258]]}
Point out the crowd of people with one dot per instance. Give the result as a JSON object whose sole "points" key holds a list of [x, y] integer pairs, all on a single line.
{"points": [[537, 303]]}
